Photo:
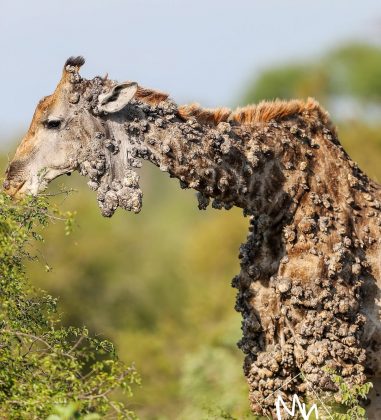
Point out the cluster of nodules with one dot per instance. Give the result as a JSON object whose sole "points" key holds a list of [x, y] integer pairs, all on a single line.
{"points": [[74, 76], [253, 341], [123, 192], [329, 340], [316, 327], [320, 325], [116, 187], [141, 119], [91, 94], [118, 184], [220, 166], [188, 150], [273, 370], [85, 90]]}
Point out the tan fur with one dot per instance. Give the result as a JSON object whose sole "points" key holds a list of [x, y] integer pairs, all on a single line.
{"points": [[43, 107], [149, 96], [204, 115], [262, 112], [41, 110]]}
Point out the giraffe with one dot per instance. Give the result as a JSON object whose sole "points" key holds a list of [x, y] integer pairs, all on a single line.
{"points": [[309, 286]]}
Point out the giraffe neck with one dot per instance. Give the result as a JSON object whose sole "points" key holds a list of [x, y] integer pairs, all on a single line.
{"points": [[262, 167]]}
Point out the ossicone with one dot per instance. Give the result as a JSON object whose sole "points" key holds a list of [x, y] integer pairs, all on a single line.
{"points": [[71, 70], [75, 61]]}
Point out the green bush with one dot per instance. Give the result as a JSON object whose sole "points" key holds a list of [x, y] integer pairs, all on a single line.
{"points": [[45, 368]]}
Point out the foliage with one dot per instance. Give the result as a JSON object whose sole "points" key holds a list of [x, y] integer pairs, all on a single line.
{"points": [[70, 412], [43, 364], [349, 398], [208, 377], [350, 71], [363, 143]]}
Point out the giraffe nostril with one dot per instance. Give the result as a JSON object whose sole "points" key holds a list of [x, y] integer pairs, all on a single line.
{"points": [[6, 184]]}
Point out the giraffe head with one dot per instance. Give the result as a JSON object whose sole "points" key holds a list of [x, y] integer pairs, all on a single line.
{"points": [[63, 125]]}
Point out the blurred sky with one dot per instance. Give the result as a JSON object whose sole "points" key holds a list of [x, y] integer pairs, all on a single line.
{"points": [[196, 50]]}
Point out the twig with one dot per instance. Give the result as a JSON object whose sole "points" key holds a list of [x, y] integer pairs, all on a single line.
{"points": [[36, 338], [79, 341], [66, 192]]}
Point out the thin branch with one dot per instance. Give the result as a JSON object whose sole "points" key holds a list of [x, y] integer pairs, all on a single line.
{"points": [[54, 194], [79, 341], [34, 337], [29, 349], [89, 396]]}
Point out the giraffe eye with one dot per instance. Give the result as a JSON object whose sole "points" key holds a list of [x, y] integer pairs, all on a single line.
{"points": [[53, 123]]}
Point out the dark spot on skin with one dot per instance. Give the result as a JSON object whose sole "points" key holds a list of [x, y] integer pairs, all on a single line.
{"points": [[14, 169]]}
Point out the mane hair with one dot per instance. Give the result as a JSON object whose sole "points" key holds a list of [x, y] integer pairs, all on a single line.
{"points": [[262, 112], [204, 115], [149, 96]]}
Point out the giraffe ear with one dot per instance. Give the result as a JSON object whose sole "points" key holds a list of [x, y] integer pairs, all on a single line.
{"points": [[119, 96]]}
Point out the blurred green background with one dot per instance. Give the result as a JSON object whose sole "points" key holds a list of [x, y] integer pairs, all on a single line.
{"points": [[158, 283]]}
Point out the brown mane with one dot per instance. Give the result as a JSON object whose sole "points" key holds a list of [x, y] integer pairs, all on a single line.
{"points": [[204, 115], [149, 96], [262, 112]]}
